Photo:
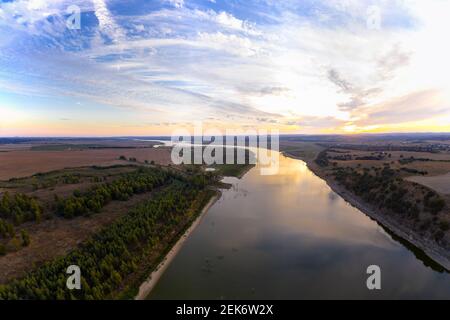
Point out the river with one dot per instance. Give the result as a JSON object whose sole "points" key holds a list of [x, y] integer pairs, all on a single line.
{"points": [[289, 236]]}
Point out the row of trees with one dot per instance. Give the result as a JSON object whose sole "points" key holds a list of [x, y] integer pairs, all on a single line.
{"points": [[49, 182], [19, 208], [6, 229], [114, 253], [322, 159], [93, 200]]}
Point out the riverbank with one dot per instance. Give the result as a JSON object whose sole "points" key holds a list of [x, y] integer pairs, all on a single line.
{"points": [[233, 170], [146, 287], [430, 248]]}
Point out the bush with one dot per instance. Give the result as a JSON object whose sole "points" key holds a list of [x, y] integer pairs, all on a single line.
{"points": [[25, 238], [434, 204]]}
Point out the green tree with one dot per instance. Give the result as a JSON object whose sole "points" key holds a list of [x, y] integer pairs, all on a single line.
{"points": [[25, 238]]}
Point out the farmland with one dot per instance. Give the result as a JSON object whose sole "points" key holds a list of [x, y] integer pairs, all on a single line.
{"points": [[23, 163]]}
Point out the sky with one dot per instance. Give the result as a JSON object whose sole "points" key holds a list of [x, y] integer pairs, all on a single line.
{"points": [[150, 67]]}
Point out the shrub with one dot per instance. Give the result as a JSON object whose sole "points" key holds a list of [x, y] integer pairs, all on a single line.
{"points": [[25, 238]]}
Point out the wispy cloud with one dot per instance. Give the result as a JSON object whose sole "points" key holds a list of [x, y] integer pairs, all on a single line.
{"points": [[309, 65], [106, 22], [411, 107]]}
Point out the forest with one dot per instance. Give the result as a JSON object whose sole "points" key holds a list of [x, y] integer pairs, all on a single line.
{"points": [[20, 208], [113, 254]]}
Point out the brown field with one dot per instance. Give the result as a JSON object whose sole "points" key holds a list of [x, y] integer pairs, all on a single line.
{"points": [[24, 163], [433, 168], [440, 183]]}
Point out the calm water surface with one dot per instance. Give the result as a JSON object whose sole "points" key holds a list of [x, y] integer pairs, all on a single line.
{"points": [[289, 236]]}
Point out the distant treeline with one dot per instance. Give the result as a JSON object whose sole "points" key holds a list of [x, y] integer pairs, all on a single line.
{"points": [[358, 138], [64, 147], [432, 148]]}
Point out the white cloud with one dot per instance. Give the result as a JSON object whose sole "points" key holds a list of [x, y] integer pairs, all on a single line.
{"points": [[107, 24], [176, 3], [192, 63]]}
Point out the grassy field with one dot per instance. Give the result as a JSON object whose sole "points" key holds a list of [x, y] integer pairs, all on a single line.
{"points": [[302, 150], [232, 170]]}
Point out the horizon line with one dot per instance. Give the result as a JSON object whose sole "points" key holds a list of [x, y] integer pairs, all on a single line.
{"points": [[284, 134]]}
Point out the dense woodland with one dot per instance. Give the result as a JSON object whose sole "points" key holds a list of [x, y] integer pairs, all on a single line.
{"points": [[113, 254]]}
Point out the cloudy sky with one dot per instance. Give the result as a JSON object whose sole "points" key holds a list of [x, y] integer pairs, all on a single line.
{"points": [[149, 67]]}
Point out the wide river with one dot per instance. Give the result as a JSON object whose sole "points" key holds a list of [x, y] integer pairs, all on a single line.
{"points": [[289, 236]]}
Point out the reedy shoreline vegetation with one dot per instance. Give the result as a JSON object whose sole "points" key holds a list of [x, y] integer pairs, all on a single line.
{"points": [[110, 257]]}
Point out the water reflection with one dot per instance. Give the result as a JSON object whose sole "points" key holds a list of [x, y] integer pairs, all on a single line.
{"points": [[289, 236]]}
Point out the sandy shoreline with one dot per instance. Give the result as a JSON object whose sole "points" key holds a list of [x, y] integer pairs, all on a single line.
{"points": [[150, 283], [431, 249]]}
